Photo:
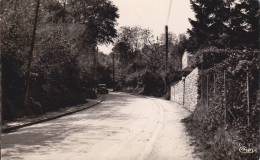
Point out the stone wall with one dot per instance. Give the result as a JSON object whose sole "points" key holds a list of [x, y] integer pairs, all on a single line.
{"points": [[177, 92], [185, 92], [191, 90]]}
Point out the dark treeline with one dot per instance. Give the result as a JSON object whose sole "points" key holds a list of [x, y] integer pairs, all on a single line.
{"points": [[224, 24], [140, 56], [63, 65], [140, 61]]}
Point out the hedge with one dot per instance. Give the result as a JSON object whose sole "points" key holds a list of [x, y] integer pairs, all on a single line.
{"points": [[228, 79]]}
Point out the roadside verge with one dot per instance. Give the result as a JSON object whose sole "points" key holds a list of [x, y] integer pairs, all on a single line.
{"points": [[13, 126]]}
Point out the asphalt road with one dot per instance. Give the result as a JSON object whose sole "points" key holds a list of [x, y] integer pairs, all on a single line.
{"points": [[123, 127]]}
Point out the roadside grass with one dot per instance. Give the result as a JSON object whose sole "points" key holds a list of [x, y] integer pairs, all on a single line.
{"points": [[222, 143]]}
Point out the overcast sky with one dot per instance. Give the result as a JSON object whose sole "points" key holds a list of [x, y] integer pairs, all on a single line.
{"points": [[153, 14]]}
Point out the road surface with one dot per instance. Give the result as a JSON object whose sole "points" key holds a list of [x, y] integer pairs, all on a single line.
{"points": [[123, 127]]}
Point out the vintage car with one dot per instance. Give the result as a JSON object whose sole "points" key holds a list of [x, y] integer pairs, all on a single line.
{"points": [[102, 89]]}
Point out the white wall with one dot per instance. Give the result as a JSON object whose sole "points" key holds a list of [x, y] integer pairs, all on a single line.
{"points": [[177, 92], [187, 60], [185, 92]]}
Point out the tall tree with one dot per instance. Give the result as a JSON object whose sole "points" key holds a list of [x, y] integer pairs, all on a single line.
{"points": [[30, 59], [99, 17], [224, 23], [244, 23], [208, 26], [130, 42]]}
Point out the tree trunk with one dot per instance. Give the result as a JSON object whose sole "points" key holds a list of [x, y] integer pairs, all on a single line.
{"points": [[27, 101]]}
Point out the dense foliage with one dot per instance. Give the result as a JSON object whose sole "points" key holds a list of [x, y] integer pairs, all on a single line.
{"points": [[222, 114], [227, 116], [140, 61], [62, 69], [224, 24]]}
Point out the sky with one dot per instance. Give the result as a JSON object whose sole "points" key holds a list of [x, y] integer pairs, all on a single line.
{"points": [[153, 14]]}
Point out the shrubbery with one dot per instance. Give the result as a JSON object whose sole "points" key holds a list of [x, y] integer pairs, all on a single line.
{"points": [[63, 37], [221, 128], [140, 61], [154, 84]]}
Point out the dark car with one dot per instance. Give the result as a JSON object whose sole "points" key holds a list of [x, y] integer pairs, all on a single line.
{"points": [[102, 89]]}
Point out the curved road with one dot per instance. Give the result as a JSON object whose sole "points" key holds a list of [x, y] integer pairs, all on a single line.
{"points": [[123, 127]]}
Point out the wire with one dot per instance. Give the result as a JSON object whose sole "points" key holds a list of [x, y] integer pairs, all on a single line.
{"points": [[169, 12]]}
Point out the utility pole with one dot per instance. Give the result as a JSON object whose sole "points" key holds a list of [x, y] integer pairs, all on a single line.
{"points": [[167, 87], [258, 72], [30, 58], [64, 7], [167, 48], [113, 57], [95, 63]]}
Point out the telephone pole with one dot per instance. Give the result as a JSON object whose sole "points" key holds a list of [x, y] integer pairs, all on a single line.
{"points": [[30, 58], [167, 48], [113, 57], [95, 63], [167, 87]]}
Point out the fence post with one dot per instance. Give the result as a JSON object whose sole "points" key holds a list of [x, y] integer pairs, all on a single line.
{"points": [[248, 99], [225, 98], [184, 92], [174, 93], [207, 90], [201, 90], [201, 85], [214, 84]]}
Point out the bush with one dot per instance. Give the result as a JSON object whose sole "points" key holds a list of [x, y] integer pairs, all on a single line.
{"points": [[154, 84], [12, 85], [58, 74], [222, 137]]}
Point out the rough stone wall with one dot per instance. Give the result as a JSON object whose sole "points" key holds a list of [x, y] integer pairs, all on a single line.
{"points": [[185, 92], [177, 92], [191, 90]]}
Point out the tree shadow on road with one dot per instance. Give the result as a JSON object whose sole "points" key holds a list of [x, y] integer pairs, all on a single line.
{"points": [[47, 134]]}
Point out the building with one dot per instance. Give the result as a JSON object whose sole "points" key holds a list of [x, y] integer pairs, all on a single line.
{"points": [[185, 92]]}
